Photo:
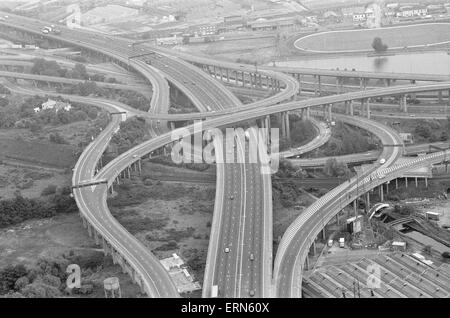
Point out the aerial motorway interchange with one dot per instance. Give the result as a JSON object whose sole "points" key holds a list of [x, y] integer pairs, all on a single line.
{"points": [[240, 261]]}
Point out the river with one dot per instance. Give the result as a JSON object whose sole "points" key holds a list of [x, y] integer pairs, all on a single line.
{"points": [[421, 63]]}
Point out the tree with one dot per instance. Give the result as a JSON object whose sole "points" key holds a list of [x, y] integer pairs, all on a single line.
{"points": [[333, 168], [4, 102], [423, 130], [57, 138], [8, 277], [378, 45]]}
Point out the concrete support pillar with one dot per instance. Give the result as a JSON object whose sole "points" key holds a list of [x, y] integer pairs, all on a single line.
{"points": [[396, 183], [363, 83], [84, 221], [267, 129], [227, 75], [312, 249], [307, 262], [381, 193], [330, 116], [339, 85], [89, 228], [288, 128], [367, 201], [406, 182], [349, 107], [307, 113], [96, 238], [319, 85], [367, 102], [337, 219], [387, 187], [387, 82], [426, 183], [440, 97], [417, 184], [355, 207], [324, 233], [403, 104]]}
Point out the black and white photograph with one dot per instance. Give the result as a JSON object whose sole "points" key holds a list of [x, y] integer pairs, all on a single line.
{"points": [[233, 156]]}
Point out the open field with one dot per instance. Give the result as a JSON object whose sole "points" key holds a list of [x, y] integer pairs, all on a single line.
{"points": [[248, 50], [361, 40], [39, 153], [29, 181], [167, 217]]}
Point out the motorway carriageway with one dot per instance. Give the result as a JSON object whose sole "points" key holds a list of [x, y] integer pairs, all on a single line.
{"points": [[255, 111]]}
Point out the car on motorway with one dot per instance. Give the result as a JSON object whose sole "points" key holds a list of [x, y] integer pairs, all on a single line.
{"points": [[382, 161], [227, 250], [252, 257], [251, 293], [231, 197], [412, 115]]}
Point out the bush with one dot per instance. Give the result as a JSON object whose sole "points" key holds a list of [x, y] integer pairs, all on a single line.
{"points": [[4, 102], [57, 138], [9, 276], [333, 168], [20, 209]]}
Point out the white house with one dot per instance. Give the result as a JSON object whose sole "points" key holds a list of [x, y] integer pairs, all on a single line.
{"points": [[55, 105]]}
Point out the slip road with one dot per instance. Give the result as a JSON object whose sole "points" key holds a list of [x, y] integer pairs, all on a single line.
{"points": [[229, 308]]}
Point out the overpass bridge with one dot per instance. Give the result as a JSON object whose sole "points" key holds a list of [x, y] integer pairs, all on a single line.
{"points": [[111, 172]]}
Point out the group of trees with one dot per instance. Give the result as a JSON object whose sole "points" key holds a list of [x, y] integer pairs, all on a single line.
{"points": [[44, 279], [347, 140], [23, 116], [20, 209], [334, 168], [132, 132], [428, 130], [51, 68]]}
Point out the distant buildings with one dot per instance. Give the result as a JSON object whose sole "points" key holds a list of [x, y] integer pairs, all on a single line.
{"points": [[173, 40], [412, 11]]}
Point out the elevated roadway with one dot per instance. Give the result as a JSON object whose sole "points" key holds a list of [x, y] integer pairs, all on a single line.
{"points": [[236, 116]]}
